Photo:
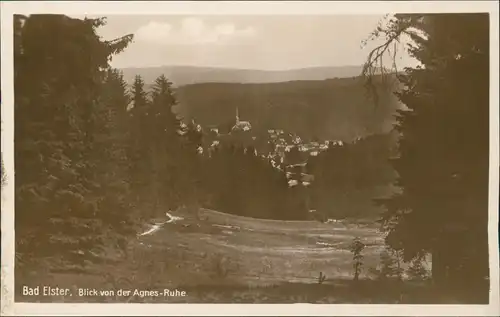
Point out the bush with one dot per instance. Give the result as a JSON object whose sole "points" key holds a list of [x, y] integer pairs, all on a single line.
{"points": [[222, 266], [416, 271]]}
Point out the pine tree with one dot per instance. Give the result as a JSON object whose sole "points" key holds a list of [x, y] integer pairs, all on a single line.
{"points": [[112, 148], [138, 94], [443, 160], [137, 152], [57, 191], [168, 173], [356, 249]]}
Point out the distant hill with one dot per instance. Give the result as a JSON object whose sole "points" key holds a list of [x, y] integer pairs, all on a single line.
{"points": [[335, 109], [185, 75]]}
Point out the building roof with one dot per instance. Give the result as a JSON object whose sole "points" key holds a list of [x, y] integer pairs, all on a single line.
{"points": [[242, 126]]}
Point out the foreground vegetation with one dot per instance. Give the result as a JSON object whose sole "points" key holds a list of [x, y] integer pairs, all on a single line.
{"points": [[237, 259]]}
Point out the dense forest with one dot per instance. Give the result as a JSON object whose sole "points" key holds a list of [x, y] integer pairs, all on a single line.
{"points": [[88, 171], [333, 109], [95, 159]]}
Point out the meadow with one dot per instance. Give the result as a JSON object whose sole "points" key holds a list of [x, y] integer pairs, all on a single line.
{"points": [[220, 258]]}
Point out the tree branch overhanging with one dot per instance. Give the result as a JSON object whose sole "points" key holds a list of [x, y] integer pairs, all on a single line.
{"points": [[400, 25]]}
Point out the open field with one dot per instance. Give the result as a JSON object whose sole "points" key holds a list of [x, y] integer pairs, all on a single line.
{"points": [[270, 251], [217, 257]]}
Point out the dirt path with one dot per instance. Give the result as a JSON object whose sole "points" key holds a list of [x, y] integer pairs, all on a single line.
{"points": [[266, 251]]}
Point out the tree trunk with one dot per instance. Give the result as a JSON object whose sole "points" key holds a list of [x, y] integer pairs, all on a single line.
{"points": [[439, 268], [356, 272]]}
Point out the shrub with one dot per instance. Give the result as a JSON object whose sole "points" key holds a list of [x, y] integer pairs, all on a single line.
{"points": [[222, 266], [390, 265], [416, 271]]}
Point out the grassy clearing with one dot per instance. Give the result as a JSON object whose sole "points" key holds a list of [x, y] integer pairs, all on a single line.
{"points": [[224, 258]]}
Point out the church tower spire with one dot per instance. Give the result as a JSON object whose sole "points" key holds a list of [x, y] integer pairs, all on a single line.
{"points": [[237, 116]]}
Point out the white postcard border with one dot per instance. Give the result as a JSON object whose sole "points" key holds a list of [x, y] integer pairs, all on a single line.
{"points": [[235, 8]]}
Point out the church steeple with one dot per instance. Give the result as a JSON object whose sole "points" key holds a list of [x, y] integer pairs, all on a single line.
{"points": [[241, 125]]}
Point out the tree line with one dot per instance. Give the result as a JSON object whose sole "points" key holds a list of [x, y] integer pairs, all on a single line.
{"points": [[312, 109], [89, 169]]}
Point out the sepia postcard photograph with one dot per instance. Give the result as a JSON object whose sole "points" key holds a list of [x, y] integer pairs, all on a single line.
{"points": [[335, 158]]}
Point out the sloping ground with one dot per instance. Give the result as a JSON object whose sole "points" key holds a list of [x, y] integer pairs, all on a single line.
{"points": [[270, 251], [216, 257]]}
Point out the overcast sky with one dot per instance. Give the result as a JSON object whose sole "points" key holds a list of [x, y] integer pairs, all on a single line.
{"points": [[253, 42]]}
